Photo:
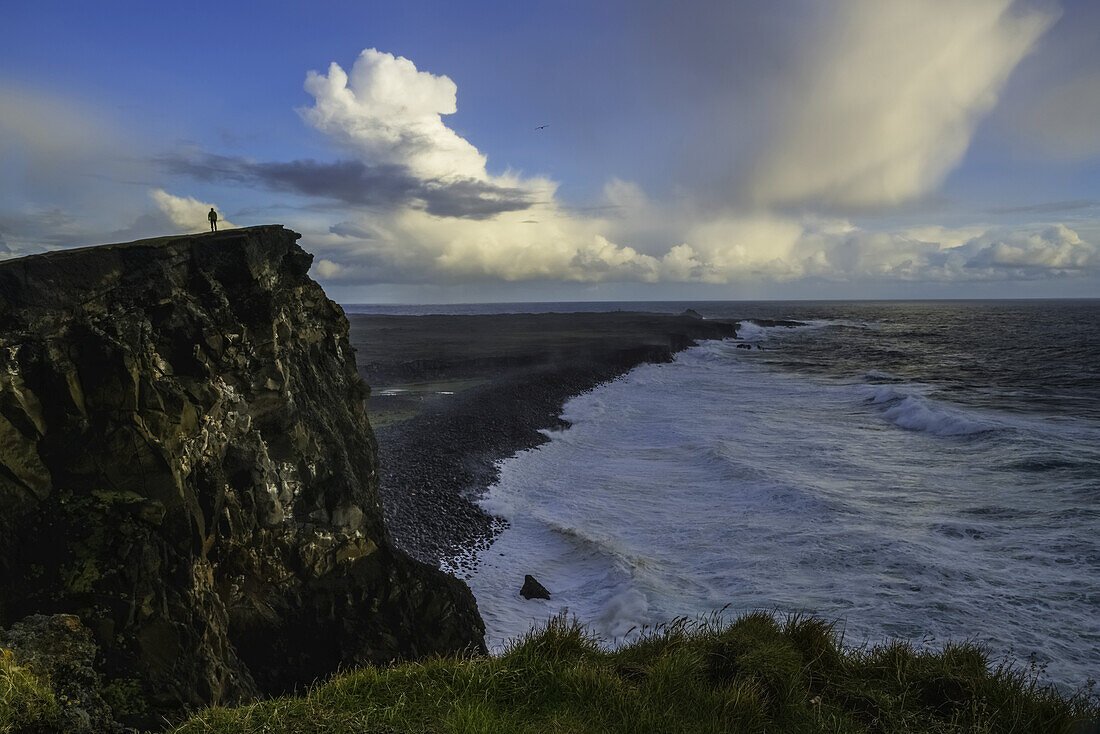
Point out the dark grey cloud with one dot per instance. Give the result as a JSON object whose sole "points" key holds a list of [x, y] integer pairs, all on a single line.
{"points": [[351, 229], [27, 223], [40, 229], [471, 198], [356, 183], [24, 233], [1049, 207]]}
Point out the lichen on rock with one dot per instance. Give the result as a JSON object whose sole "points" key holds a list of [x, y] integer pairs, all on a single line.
{"points": [[60, 651]]}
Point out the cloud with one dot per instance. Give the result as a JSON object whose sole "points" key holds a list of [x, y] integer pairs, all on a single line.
{"points": [[187, 213], [400, 138], [44, 227], [838, 106], [350, 229], [43, 132], [1055, 248], [65, 170], [626, 196], [472, 198], [356, 183], [1049, 207], [328, 269], [391, 113], [1062, 122], [410, 245], [28, 230], [888, 100], [783, 250], [733, 249], [450, 218]]}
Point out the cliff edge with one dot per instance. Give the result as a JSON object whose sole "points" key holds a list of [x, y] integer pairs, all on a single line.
{"points": [[186, 466]]}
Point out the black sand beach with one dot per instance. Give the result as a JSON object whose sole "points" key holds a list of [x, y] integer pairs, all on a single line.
{"points": [[452, 395]]}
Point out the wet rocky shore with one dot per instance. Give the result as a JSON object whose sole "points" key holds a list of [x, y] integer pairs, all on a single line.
{"points": [[453, 395]]}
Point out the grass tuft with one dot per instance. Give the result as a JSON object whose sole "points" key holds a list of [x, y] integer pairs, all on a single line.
{"points": [[27, 703]]}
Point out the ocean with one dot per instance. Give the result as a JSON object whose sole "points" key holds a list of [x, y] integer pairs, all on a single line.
{"points": [[927, 470]]}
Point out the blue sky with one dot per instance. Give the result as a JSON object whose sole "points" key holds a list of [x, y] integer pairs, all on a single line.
{"points": [[787, 149]]}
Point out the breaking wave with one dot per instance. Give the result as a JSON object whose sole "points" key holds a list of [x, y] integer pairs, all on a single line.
{"points": [[905, 406]]}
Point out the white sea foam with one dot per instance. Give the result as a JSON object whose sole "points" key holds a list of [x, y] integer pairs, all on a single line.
{"points": [[717, 480], [907, 407], [751, 331]]}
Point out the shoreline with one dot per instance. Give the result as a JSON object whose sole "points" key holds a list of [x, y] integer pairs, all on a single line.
{"points": [[451, 396]]}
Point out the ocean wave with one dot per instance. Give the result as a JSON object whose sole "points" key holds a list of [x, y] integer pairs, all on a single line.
{"points": [[752, 330], [906, 408], [708, 354], [749, 331], [589, 544], [880, 376]]}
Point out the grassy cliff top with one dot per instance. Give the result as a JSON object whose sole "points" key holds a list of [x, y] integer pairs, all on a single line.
{"points": [[756, 674]]}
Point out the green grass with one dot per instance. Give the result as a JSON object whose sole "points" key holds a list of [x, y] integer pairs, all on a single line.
{"points": [[27, 703], [759, 673]]}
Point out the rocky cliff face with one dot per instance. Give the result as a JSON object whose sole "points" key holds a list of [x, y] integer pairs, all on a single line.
{"points": [[186, 465]]}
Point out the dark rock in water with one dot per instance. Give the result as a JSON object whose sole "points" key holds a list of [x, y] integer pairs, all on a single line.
{"points": [[532, 589], [759, 347], [60, 648], [692, 313], [186, 466], [744, 346]]}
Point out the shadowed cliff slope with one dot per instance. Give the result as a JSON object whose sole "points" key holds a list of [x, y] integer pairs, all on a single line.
{"points": [[186, 465]]}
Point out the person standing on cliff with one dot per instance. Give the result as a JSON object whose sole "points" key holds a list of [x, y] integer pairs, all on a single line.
{"points": [[213, 217]]}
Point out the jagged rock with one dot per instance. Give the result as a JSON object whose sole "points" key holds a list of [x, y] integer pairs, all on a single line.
{"points": [[532, 589], [58, 647], [744, 346], [692, 313], [186, 464]]}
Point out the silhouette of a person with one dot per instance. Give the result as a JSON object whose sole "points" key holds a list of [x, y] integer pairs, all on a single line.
{"points": [[213, 217]]}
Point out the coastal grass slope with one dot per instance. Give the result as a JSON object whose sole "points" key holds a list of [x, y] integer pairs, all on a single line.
{"points": [[27, 702], [759, 673]]}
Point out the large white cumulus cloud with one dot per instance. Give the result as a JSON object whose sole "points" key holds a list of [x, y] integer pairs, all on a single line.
{"points": [[1052, 248], [391, 113], [888, 101]]}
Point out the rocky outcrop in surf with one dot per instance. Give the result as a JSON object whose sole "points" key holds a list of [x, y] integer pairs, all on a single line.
{"points": [[186, 466], [532, 589]]}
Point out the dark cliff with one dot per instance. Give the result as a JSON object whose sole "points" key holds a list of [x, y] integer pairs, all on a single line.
{"points": [[186, 465]]}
